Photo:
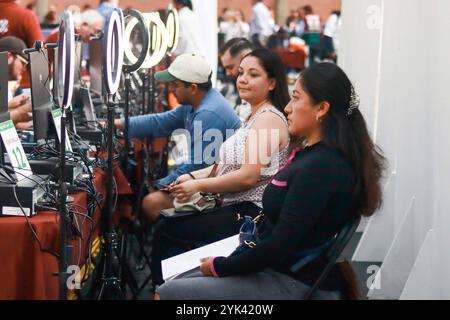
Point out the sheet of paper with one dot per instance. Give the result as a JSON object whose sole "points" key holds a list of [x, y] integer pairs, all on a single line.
{"points": [[191, 259], [15, 150]]}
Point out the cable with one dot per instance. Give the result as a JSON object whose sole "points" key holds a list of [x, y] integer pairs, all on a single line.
{"points": [[30, 226], [90, 190], [44, 83], [74, 218], [41, 184], [85, 216]]}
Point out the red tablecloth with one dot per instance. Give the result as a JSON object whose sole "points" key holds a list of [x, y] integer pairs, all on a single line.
{"points": [[26, 271], [292, 58]]}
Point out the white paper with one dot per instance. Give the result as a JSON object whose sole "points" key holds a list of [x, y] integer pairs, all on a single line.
{"points": [[191, 259], [57, 114], [15, 211], [15, 151]]}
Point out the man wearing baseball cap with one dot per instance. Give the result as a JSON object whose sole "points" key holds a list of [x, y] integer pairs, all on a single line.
{"points": [[202, 108], [17, 60], [20, 105], [17, 21]]}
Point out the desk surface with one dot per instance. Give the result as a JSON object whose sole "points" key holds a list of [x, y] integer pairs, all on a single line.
{"points": [[26, 271]]}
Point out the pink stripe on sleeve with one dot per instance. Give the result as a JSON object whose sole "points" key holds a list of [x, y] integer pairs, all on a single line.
{"points": [[279, 183], [211, 266]]}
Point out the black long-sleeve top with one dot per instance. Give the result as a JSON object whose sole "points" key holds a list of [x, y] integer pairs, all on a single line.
{"points": [[307, 203]]}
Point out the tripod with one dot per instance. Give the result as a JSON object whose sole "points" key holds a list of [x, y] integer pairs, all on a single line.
{"points": [[66, 247], [110, 287], [126, 154], [139, 225], [136, 223]]}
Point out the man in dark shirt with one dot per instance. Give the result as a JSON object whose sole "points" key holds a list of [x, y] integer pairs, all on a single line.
{"points": [[231, 55], [19, 22], [19, 105]]}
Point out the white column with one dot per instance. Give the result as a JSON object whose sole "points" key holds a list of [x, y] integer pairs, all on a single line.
{"points": [[41, 9], [206, 11], [282, 12]]}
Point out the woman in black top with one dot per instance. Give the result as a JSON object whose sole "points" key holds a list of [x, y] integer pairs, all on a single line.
{"points": [[331, 179]]}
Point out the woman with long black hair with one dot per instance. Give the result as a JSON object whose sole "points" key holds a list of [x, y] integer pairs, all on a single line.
{"points": [[246, 162], [334, 176]]}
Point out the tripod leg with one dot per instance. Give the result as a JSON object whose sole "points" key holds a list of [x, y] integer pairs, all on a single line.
{"points": [[127, 277]]}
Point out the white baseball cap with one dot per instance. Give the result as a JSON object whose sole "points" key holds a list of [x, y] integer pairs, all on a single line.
{"points": [[188, 67]]}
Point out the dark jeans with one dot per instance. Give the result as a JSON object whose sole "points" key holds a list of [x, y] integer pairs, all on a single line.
{"points": [[173, 236]]}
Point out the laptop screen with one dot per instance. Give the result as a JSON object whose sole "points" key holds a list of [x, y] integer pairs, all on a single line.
{"points": [[95, 66], [88, 108], [41, 97]]}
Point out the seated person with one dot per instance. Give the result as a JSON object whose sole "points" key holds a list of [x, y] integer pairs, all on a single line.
{"points": [[19, 105], [20, 111], [230, 56], [89, 24], [202, 109], [247, 162], [335, 177]]}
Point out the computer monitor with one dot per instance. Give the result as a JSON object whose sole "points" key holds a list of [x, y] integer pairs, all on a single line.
{"points": [[95, 67], [55, 78], [4, 115], [77, 75], [88, 108], [41, 98], [78, 60]]}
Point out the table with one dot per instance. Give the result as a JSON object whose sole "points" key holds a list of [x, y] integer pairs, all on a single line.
{"points": [[26, 271]]}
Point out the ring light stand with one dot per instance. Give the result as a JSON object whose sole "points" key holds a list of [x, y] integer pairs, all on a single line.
{"points": [[66, 55], [158, 45], [112, 69], [161, 39], [135, 64]]}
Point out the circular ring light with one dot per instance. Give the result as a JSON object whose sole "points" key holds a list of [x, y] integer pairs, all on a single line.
{"points": [[66, 56], [113, 51], [159, 40], [173, 28], [137, 18]]}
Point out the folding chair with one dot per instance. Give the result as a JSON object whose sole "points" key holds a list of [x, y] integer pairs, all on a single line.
{"points": [[333, 253]]}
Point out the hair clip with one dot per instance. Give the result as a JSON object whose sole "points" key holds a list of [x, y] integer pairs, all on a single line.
{"points": [[354, 102]]}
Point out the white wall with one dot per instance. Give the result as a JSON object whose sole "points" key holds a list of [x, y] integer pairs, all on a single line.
{"points": [[206, 11], [401, 71], [363, 48]]}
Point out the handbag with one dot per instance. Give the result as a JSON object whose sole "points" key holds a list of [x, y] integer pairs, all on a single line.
{"points": [[200, 201], [249, 238], [248, 234], [203, 201]]}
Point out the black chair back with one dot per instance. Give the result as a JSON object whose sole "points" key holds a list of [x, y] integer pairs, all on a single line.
{"points": [[333, 253]]}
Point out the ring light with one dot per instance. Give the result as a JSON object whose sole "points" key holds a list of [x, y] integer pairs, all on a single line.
{"points": [[66, 56], [136, 19], [113, 51], [173, 28], [159, 40]]}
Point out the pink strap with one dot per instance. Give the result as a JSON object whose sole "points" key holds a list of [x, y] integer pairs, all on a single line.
{"points": [[289, 160], [292, 156]]}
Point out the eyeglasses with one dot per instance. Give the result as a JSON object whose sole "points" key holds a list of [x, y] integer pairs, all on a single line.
{"points": [[22, 59]]}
